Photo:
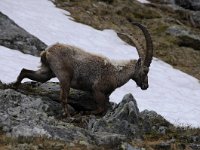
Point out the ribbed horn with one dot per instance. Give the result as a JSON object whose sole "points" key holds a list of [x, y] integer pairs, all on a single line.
{"points": [[147, 53]]}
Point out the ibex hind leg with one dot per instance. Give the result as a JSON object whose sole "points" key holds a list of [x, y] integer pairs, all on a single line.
{"points": [[100, 99], [64, 78], [64, 92], [39, 76]]}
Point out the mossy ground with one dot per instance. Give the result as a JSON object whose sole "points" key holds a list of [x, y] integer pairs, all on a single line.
{"points": [[118, 15]]}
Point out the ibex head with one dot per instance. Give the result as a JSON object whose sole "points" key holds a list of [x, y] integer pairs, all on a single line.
{"points": [[145, 57], [141, 75]]}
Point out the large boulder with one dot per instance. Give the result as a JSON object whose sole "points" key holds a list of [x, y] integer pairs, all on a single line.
{"points": [[153, 122], [123, 119], [14, 37]]}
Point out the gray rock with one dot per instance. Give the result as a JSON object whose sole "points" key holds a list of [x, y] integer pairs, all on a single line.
{"points": [[28, 116], [153, 122], [31, 116], [14, 37], [162, 130], [185, 37], [127, 146], [195, 146], [122, 120], [195, 18], [79, 100], [32, 111], [189, 4]]}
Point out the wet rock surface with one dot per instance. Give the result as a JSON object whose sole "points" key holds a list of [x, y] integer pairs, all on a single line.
{"points": [[14, 37]]}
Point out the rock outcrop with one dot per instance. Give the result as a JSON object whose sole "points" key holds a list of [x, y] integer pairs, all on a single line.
{"points": [[189, 4], [24, 114], [14, 37], [185, 37]]}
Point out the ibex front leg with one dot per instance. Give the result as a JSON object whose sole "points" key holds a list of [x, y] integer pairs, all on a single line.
{"points": [[39, 75], [100, 99], [65, 87]]}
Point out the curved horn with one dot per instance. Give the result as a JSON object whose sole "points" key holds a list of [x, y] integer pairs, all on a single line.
{"points": [[147, 53], [133, 41]]}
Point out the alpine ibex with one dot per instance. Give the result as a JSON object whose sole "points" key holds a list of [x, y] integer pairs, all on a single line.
{"points": [[82, 70]]}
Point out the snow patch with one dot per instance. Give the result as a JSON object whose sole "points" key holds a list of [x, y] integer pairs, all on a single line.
{"points": [[143, 1], [12, 62]]}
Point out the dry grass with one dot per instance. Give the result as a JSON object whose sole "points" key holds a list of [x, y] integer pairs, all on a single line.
{"points": [[35, 143], [176, 138]]}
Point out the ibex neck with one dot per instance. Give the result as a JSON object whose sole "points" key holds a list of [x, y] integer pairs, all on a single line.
{"points": [[124, 72]]}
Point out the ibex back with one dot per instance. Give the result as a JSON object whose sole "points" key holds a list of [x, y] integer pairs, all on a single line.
{"points": [[79, 69]]}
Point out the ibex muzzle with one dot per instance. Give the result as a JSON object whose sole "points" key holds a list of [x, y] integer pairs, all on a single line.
{"points": [[141, 75]]}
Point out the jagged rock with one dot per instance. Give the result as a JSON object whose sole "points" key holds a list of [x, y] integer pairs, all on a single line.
{"points": [[22, 115], [122, 120], [189, 4], [14, 37], [185, 36], [195, 19], [153, 122], [36, 115], [34, 110]]}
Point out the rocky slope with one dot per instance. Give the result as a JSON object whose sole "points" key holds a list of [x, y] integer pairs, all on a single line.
{"points": [[33, 111]]}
